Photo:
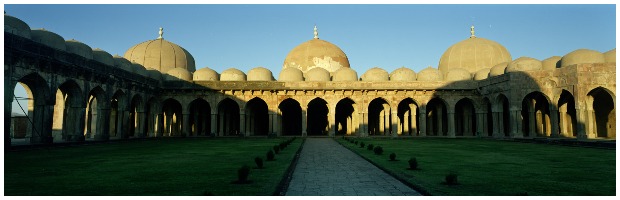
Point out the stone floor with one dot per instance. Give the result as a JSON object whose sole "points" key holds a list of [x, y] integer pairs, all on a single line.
{"points": [[325, 168]]}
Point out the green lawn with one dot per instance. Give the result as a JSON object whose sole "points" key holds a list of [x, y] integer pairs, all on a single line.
{"points": [[164, 166], [490, 167]]}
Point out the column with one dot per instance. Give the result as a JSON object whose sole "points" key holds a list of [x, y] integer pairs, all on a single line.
{"points": [[406, 123], [554, 122], [141, 132], [581, 121], [382, 122], [349, 125], [185, 126], [197, 125], [531, 122], [274, 126], [430, 123], [214, 124], [485, 124], [304, 119], [515, 128], [242, 127], [103, 127], [394, 123], [451, 125], [422, 119], [160, 125], [590, 123], [413, 119], [479, 124], [563, 125], [332, 121], [364, 125], [496, 124], [440, 120]]}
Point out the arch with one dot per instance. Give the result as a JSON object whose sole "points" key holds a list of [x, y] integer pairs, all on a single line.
{"points": [[317, 122], [601, 114], [137, 117], [379, 120], [291, 117], [117, 112], [536, 115], [568, 115], [228, 117], [256, 117], [465, 117], [154, 118], [407, 117], [68, 122], [172, 117], [39, 118], [200, 117], [346, 117], [436, 117], [94, 120]]}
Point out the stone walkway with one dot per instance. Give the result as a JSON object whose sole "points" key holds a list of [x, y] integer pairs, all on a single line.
{"points": [[325, 168]]}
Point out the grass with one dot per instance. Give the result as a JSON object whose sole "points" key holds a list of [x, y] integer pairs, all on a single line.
{"points": [[490, 167], [164, 166]]}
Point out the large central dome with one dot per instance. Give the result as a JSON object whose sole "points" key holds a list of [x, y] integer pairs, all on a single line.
{"points": [[473, 54], [316, 53], [161, 55]]}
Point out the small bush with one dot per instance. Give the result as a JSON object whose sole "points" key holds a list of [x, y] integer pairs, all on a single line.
{"points": [[276, 149], [370, 147], [413, 163], [378, 150], [270, 155], [282, 146], [451, 179], [259, 162], [243, 173], [362, 144], [392, 156], [355, 142]]}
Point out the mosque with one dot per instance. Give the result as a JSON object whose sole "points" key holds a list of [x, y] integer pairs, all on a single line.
{"points": [[77, 93]]}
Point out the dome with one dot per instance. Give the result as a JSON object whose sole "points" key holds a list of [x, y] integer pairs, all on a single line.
{"points": [[178, 73], [206, 74], [458, 74], [430, 74], [523, 64], [139, 69], [610, 56], [345, 74], [375, 74], [16, 26], [318, 74], [551, 63], [79, 48], [403, 74], [122, 63], [291, 74], [582, 56], [482, 74], [161, 54], [153, 73], [233, 74], [260, 74], [48, 38], [103, 57], [316, 53], [498, 69], [473, 54]]}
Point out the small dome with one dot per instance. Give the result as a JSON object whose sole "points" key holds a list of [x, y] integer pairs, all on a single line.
{"points": [[523, 64], [16, 26], [316, 53], [154, 74], [291, 74], [122, 63], [376, 74], [551, 63], [161, 54], [430, 74], [206, 74], [178, 73], [103, 57], [473, 54], [139, 69], [260, 74], [318, 74], [498, 69], [79, 48], [403, 74], [458, 74], [345, 74], [48, 38], [233, 74], [610, 56], [582, 56], [482, 74]]}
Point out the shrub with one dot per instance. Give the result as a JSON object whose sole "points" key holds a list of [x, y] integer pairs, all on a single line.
{"points": [[362, 144], [355, 142], [413, 163], [282, 146], [378, 150], [259, 162], [370, 147], [451, 179], [392, 156], [243, 173], [276, 149], [270, 155]]}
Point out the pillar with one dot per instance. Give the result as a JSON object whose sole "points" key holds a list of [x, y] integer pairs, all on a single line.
{"points": [[382, 122], [160, 125], [141, 131], [242, 122], [422, 119], [185, 127], [214, 124], [554, 122], [413, 119], [394, 123], [332, 121], [496, 124], [440, 120], [451, 124], [406, 123], [581, 121], [304, 119], [515, 124], [563, 120], [364, 125], [532, 122], [479, 124]]}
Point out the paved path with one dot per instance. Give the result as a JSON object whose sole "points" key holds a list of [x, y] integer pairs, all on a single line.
{"points": [[327, 168]]}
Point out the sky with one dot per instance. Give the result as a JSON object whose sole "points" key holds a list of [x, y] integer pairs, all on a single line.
{"points": [[387, 36]]}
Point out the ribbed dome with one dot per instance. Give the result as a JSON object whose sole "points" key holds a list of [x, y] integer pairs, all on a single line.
{"points": [[523, 64], [206, 74], [345, 74], [103, 57], [291, 74], [162, 55], [178, 73], [376, 74], [551, 63], [153, 73], [316, 53], [498, 69], [233, 74], [430, 74], [582, 56], [260, 74], [458, 74], [122, 63], [482, 74], [16, 26], [473, 54], [48, 38], [403, 74], [79, 48], [317, 74], [610, 56]]}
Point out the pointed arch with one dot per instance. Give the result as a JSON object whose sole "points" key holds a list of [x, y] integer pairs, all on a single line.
{"points": [[118, 104], [436, 117], [536, 115], [37, 119], [379, 119], [465, 117], [97, 103], [137, 119], [568, 114], [407, 114], [172, 117], [256, 117], [346, 117], [200, 117], [228, 117], [317, 122], [291, 117], [68, 121], [601, 114]]}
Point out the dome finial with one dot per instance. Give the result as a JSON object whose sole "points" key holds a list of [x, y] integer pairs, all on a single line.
{"points": [[472, 32], [316, 33], [161, 33]]}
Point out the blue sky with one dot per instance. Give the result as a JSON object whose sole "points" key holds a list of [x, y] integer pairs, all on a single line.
{"points": [[387, 36]]}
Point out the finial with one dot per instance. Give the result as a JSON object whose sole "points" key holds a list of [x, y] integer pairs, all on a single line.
{"points": [[161, 33], [472, 32], [316, 33]]}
